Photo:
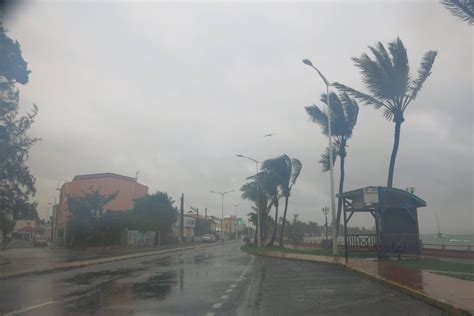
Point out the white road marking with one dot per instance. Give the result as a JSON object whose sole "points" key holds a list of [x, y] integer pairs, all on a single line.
{"points": [[229, 290], [29, 308], [238, 280], [251, 261], [233, 285], [210, 314], [224, 297], [217, 305]]}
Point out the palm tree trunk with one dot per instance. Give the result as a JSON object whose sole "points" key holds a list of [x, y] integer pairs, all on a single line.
{"points": [[272, 240], [341, 185], [396, 142], [284, 220]]}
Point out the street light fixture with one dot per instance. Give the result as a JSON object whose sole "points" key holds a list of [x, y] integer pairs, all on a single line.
{"points": [[222, 210], [236, 233], [259, 243], [331, 161]]}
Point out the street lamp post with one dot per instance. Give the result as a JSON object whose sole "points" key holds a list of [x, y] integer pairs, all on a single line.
{"points": [[235, 221], [258, 198], [331, 161], [326, 211], [222, 209]]}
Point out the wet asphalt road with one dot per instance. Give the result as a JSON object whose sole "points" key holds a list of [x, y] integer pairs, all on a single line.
{"points": [[219, 280]]}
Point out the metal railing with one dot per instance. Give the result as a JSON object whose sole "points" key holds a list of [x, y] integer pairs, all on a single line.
{"points": [[399, 243], [361, 243]]}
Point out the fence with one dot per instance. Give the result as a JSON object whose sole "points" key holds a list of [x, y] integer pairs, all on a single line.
{"points": [[137, 238]]}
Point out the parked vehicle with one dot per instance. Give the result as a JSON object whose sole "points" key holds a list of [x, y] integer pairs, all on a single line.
{"points": [[40, 241], [208, 238]]}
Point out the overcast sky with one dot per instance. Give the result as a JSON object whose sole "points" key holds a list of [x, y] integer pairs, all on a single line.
{"points": [[175, 90]]}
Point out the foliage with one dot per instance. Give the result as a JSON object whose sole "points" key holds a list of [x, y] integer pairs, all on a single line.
{"points": [[86, 212], [462, 9], [286, 171], [17, 184], [295, 231], [387, 77], [7, 224], [154, 212]]}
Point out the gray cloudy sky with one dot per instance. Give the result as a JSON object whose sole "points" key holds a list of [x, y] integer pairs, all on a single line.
{"points": [[175, 90]]}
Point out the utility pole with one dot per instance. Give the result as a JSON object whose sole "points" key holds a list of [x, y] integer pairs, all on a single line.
{"points": [[222, 209], [181, 233]]}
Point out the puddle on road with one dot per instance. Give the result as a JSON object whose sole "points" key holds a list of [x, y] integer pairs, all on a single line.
{"points": [[93, 298], [89, 277], [158, 286], [164, 262]]}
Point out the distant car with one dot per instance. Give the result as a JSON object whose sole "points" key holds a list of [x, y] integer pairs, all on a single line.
{"points": [[208, 238], [40, 241]]}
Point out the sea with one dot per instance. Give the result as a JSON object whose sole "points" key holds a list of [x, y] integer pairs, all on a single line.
{"points": [[448, 239]]}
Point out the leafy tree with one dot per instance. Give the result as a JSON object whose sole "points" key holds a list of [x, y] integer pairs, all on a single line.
{"points": [[86, 211], [462, 9], [344, 111], [288, 171], [295, 230], [155, 212], [387, 77], [17, 184]]}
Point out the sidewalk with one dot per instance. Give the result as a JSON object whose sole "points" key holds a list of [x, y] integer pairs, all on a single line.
{"points": [[453, 295], [20, 262]]}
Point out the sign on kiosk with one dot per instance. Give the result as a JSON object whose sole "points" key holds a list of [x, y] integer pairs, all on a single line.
{"points": [[371, 195]]}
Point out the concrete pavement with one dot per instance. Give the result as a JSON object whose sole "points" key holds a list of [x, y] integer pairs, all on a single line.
{"points": [[214, 280]]}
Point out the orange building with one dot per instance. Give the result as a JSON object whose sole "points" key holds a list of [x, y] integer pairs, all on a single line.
{"points": [[107, 183]]}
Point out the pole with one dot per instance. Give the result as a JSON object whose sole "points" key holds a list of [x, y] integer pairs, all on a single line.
{"points": [[222, 216], [181, 228], [326, 226], [259, 242], [331, 164], [197, 219]]}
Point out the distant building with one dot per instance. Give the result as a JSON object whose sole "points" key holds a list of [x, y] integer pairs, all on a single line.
{"points": [[107, 183], [188, 229], [24, 228]]}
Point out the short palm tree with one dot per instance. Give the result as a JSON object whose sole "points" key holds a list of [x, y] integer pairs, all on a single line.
{"points": [[387, 77], [344, 112], [249, 192], [287, 171], [463, 9]]}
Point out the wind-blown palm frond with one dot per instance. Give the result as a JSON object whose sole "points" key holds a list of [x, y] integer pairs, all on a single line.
{"points": [[282, 167], [424, 71], [351, 111], [362, 97], [401, 69], [296, 166], [324, 161], [463, 9], [337, 113], [318, 116]]}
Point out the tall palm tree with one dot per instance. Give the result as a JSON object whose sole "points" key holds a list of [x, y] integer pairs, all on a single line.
{"points": [[387, 77], [288, 171], [463, 9], [344, 112]]}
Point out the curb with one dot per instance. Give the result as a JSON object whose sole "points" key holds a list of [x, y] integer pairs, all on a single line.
{"points": [[78, 265], [446, 306]]}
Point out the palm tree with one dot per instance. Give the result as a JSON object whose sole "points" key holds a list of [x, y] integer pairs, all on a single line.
{"points": [[463, 9], [269, 184], [344, 111], [249, 192], [387, 77], [287, 170]]}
